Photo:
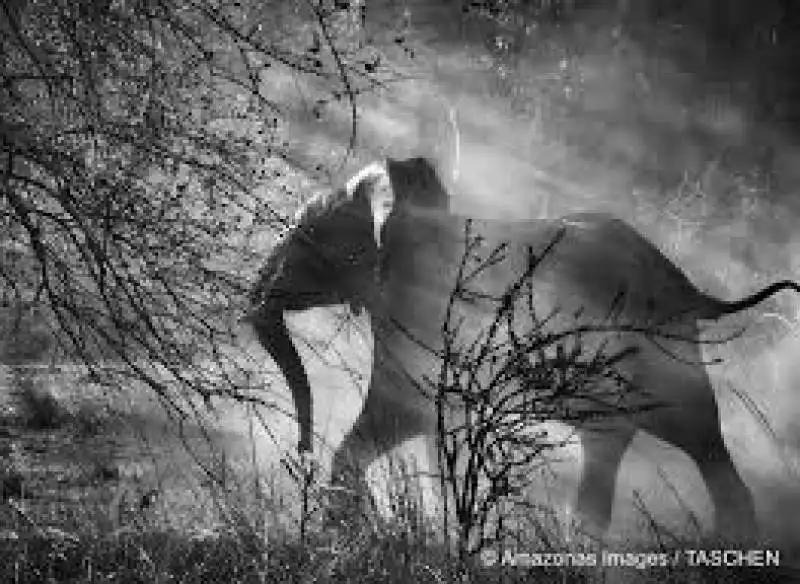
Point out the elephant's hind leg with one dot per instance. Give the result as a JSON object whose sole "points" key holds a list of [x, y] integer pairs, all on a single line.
{"points": [[734, 510], [693, 425], [602, 453]]}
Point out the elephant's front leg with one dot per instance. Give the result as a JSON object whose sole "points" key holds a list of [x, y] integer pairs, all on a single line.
{"points": [[381, 426]]}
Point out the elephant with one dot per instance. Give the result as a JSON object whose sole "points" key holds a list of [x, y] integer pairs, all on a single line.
{"points": [[389, 243]]}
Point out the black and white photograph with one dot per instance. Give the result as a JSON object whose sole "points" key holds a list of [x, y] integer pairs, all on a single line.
{"points": [[399, 291]]}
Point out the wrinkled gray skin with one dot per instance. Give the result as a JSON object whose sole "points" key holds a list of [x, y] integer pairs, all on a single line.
{"points": [[405, 284], [328, 258]]}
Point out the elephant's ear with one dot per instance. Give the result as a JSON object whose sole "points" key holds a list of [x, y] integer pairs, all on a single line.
{"points": [[371, 187]]}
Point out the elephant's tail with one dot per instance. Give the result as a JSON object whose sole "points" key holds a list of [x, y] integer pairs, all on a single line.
{"points": [[718, 308]]}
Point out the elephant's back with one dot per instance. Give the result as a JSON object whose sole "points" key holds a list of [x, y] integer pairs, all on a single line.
{"points": [[590, 263], [600, 262]]}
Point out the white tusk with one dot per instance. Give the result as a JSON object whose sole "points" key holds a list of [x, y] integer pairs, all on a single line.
{"points": [[372, 170], [382, 197]]}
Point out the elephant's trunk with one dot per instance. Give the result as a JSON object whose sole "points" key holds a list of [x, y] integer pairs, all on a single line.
{"points": [[273, 334]]}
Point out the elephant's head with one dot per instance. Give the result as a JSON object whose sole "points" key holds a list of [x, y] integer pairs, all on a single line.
{"points": [[331, 256]]}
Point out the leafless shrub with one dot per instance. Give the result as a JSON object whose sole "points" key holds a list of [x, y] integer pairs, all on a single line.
{"points": [[134, 137], [495, 389]]}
